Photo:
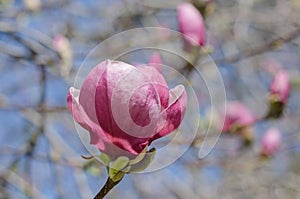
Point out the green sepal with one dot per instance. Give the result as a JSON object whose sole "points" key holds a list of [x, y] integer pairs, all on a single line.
{"points": [[115, 170], [276, 108], [120, 163], [144, 163], [118, 176], [112, 172], [105, 159], [139, 157], [126, 169]]}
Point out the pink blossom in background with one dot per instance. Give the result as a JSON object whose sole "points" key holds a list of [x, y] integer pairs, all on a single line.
{"points": [[155, 61], [125, 108], [281, 86], [237, 114], [60, 42], [191, 24], [64, 49], [270, 142]]}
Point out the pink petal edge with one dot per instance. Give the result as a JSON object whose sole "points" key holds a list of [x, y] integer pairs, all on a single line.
{"points": [[173, 115]]}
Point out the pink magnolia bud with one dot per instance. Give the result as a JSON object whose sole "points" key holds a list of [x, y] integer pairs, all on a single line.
{"points": [[270, 142], [280, 86], [237, 115], [60, 42], [155, 61], [191, 24], [125, 108]]}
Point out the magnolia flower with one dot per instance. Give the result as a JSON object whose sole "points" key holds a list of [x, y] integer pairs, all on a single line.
{"points": [[270, 142], [125, 108], [191, 25], [280, 86], [237, 115]]}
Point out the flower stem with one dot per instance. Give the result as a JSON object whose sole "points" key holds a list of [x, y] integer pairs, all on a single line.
{"points": [[106, 188]]}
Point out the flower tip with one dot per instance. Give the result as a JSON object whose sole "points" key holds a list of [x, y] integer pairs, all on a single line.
{"points": [[281, 86], [270, 142]]}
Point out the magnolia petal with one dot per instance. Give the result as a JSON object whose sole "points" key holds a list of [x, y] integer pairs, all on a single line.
{"points": [[142, 103], [113, 91], [97, 135], [88, 90], [106, 86], [131, 99], [173, 115], [159, 83], [191, 24], [83, 119]]}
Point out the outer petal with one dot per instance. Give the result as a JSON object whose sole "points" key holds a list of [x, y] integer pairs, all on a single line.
{"points": [[106, 86], [173, 115], [82, 118], [88, 90], [142, 103], [113, 93], [97, 135]]}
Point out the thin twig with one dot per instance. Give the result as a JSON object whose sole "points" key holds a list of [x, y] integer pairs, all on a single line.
{"points": [[36, 42], [36, 108], [109, 184], [250, 52], [268, 46]]}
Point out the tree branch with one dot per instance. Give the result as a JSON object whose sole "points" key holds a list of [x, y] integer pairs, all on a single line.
{"points": [[268, 46], [106, 188]]}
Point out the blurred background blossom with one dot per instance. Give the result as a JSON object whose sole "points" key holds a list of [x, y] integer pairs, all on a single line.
{"points": [[43, 43]]}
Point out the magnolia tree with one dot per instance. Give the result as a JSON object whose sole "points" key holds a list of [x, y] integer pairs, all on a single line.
{"points": [[149, 99]]}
